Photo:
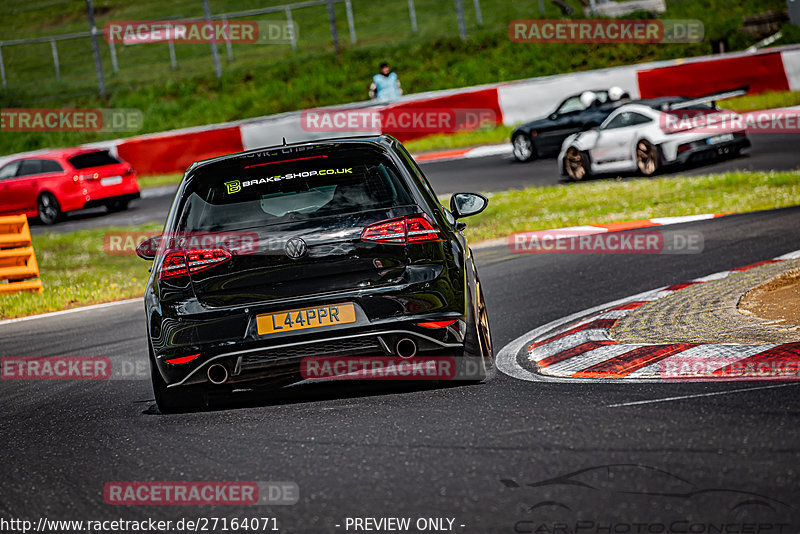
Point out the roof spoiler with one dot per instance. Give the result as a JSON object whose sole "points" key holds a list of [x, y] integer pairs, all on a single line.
{"points": [[711, 98]]}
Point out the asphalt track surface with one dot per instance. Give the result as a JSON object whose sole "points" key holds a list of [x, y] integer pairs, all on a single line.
{"points": [[720, 453], [771, 151]]}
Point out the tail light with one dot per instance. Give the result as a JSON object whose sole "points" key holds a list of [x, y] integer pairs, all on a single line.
{"points": [[684, 148], [183, 262], [183, 359], [128, 171], [437, 324], [403, 230]]}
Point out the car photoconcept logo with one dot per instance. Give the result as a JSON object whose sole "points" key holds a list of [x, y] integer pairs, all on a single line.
{"points": [[296, 248]]}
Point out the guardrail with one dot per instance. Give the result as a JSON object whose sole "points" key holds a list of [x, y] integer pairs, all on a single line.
{"points": [[18, 268]]}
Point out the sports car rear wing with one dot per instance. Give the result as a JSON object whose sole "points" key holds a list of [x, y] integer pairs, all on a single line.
{"points": [[711, 98]]}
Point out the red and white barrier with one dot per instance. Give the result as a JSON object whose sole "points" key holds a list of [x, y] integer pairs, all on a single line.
{"points": [[775, 69], [762, 72], [161, 154]]}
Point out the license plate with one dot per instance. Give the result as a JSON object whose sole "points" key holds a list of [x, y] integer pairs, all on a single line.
{"points": [[301, 319], [111, 180], [724, 138]]}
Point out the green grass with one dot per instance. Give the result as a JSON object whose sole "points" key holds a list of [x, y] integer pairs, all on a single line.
{"points": [[770, 100], [159, 180], [267, 79], [76, 271], [604, 201]]}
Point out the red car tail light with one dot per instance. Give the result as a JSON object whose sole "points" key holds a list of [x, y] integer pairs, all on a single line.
{"points": [[420, 229], [183, 262], [437, 324], [391, 231], [403, 230], [182, 359]]}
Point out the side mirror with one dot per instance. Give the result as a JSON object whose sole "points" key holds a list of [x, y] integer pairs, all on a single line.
{"points": [[553, 116], [148, 248], [466, 204]]}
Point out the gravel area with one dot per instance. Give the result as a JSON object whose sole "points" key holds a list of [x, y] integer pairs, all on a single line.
{"points": [[709, 312]]}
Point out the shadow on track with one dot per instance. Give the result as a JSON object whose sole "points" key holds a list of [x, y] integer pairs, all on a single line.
{"points": [[308, 392]]}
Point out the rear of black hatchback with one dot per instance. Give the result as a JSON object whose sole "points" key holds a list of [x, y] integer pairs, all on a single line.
{"points": [[332, 248]]}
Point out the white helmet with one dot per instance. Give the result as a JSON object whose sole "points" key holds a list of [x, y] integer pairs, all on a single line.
{"points": [[588, 98], [615, 93]]}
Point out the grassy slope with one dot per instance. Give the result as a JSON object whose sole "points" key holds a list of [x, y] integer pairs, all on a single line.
{"points": [[603, 201], [268, 79], [76, 271]]}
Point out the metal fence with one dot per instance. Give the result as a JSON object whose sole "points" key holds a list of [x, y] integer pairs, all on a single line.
{"points": [[23, 61]]}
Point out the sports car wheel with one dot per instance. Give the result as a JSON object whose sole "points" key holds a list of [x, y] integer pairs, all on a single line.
{"points": [[646, 157], [576, 164], [48, 208], [523, 147]]}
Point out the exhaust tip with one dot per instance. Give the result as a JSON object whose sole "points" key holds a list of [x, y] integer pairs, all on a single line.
{"points": [[406, 348], [217, 373]]}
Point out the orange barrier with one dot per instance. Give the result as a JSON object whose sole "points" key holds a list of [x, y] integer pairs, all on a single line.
{"points": [[17, 259]]}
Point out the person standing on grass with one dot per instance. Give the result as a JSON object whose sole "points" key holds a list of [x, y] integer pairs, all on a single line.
{"points": [[385, 86]]}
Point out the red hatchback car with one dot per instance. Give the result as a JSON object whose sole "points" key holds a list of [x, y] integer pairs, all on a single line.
{"points": [[47, 185]]}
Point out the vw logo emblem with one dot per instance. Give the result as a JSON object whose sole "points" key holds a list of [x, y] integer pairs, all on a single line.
{"points": [[296, 248]]}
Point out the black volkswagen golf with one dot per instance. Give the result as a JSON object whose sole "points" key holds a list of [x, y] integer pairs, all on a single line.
{"points": [[335, 247]]}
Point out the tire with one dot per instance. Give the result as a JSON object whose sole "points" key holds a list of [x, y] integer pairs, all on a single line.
{"points": [[477, 361], [576, 164], [523, 148], [48, 208], [117, 205], [648, 158], [176, 400]]}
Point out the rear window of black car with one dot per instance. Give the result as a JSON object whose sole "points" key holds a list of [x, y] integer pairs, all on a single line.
{"points": [[93, 159], [284, 187]]}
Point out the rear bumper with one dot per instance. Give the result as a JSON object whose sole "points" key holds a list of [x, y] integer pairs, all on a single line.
{"points": [[270, 360], [92, 194], [383, 316], [701, 151], [94, 203]]}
